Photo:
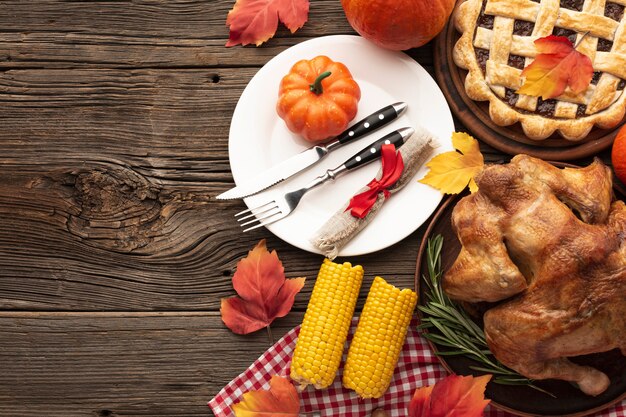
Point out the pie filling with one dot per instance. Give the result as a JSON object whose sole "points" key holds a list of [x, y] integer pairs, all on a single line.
{"points": [[546, 108]]}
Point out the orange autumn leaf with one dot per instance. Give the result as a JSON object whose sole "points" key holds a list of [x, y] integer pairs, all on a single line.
{"points": [[264, 293], [453, 396], [281, 399], [558, 65], [420, 403], [256, 21], [451, 172]]}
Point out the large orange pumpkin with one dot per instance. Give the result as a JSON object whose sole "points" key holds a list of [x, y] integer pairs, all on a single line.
{"points": [[398, 24]]}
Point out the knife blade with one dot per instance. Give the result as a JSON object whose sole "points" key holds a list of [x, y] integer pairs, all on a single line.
{"points": [[308, 157]]}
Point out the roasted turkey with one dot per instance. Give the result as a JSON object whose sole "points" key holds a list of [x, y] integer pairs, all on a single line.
{"points": [[549, 245]]}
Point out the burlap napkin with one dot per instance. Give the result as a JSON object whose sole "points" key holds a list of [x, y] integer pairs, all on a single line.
{"points": [[343, 226]]}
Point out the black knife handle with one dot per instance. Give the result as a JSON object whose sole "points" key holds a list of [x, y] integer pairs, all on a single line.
{"points": [[372, 152], [371, 123]]}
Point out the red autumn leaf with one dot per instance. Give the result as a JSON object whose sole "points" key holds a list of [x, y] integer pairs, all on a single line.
{"points": [[264, 293], [453, 396], [557, 66], [255, 21], [280, 400]]}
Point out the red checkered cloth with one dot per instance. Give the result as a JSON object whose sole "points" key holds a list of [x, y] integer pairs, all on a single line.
{"points": [[417, 367]]}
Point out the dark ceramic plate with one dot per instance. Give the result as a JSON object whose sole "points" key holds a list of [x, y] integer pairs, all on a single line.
{"points": [[522, 400]]}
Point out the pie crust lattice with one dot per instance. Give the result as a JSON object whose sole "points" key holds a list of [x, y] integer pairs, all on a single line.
{"points": [[497, 42]]}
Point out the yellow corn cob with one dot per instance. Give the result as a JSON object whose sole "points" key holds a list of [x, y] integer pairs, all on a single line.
{"points": [[378, 340], [326, 324]]}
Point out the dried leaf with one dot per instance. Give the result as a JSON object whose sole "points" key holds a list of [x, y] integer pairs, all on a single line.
{"points": [[420, 403], [453, 396], [558, 65], [255, 21], [451, 172], [280, 400], [264, 293]]}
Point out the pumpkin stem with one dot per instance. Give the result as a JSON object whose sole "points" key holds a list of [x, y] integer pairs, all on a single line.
{"points": [[316, 87]]}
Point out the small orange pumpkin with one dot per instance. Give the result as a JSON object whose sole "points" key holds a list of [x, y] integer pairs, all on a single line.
{"points": [[318, 98]]}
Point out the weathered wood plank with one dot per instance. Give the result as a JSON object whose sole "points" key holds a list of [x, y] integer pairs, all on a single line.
{"points": [[173, 19], [162, 118], [58, 50], [121, 364], [105, 237], [42, 50], [163, 33]]}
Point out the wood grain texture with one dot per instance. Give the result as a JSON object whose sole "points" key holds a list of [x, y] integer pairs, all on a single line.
{"points": [[103, 236], [120, 364]]}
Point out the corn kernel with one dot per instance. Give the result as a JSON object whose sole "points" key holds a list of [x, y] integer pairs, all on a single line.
{"points": [[381, 331], [326, 323]]}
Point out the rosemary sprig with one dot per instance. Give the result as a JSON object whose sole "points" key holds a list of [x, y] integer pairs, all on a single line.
{"points": [[455, 330]]}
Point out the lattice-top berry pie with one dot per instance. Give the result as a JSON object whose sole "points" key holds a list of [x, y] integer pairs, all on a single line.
{"points": [[497, 43]]}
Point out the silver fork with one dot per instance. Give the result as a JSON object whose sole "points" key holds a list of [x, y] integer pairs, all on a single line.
{"points": [[281, 206]]}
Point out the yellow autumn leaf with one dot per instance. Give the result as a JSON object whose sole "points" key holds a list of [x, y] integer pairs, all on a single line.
{"points": [[451, 172]]}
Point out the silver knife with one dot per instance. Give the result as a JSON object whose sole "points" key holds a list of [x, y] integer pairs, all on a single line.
{"points": [[312, 155]]}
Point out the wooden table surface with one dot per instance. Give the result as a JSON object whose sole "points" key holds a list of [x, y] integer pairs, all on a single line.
{"points": [[114, 254]]}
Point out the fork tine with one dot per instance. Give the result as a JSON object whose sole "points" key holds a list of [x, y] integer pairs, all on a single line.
{"points": [[258, 212], [254, 209], [243, 212], [260, 219], [262, 224]]}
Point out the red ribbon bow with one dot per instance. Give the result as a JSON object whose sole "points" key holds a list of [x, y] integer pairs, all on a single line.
{"points": [[393, 165]]}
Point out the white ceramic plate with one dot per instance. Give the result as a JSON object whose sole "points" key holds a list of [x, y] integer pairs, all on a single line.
{"points": [[259, 139]]}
